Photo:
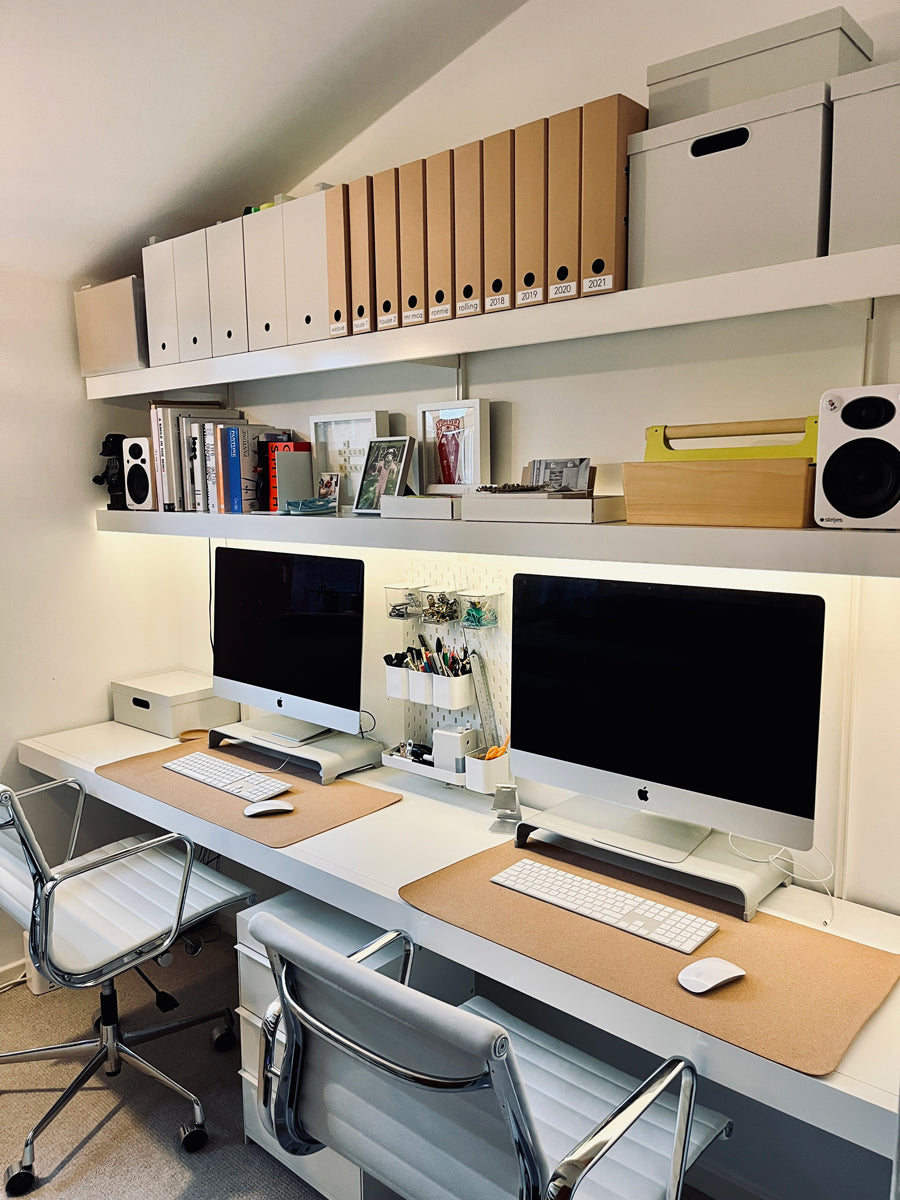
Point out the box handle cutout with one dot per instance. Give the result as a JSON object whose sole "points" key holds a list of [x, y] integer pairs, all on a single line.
{"points": [[139, 703], [730, 139]]}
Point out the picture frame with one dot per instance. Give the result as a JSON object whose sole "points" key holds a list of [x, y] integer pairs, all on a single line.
{"points": [[454, 445], [340, 442], [328, 486], [385, 472]]}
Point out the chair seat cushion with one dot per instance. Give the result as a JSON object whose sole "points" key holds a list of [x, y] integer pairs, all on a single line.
{"points": [[124, 905], [571, 1092]]}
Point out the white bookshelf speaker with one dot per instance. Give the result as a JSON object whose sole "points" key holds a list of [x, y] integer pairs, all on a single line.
{"points": [[858, 476], [140, 481]]}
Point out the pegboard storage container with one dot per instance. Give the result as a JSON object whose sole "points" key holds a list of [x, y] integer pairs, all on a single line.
{"points": [[742, 187], [396, 682], [440, 605], [812, 49], [421, 687], [403, 601], [452, 691], [478, 610], [483, 774], [866, 150]]}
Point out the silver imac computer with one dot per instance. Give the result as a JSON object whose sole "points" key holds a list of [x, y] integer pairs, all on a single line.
{"points": [[288, 639], [673, 710]]}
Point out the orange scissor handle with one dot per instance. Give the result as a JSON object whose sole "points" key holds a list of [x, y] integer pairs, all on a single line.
{"points": [[496, 751]]}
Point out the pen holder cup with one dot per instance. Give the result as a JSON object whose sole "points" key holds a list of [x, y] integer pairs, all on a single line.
{"points": [[403, 601], [421, 686], [397, 682], [452, 691], [478, 610], [440, 606], [483, 774]]}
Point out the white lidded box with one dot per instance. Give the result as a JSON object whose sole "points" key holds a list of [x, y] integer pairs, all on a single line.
{"points": [[111, 324], [812, 49], [171, 702], [865, 159], [742, 187]]}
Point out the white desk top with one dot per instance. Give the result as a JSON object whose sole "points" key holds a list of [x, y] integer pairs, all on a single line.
{"points": [[360, 867]]}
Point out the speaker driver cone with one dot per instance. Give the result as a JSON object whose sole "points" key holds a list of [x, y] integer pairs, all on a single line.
{"points": [[138, 483], [862, 478]]}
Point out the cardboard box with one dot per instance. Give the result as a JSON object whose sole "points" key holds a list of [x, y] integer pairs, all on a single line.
{"points": [[563, 204], [606, 126], [865, 153], [468, 224], [337, 236], [810, 50], [738, 188], [362, 255], [112, 327], [542, 507], [170, 702], [413, 260], [498, 159], [386, 223], [424, 508], [440, 235], [531, 213]]}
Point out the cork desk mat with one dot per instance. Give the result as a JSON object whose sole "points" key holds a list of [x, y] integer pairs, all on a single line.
{"points": [[805, 996], [317, 808]]}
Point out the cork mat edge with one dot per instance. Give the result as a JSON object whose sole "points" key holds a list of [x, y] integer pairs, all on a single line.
{"points": [[317, 807], [788, 1008]]}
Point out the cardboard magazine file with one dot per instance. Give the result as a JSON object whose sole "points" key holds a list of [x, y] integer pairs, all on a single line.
{"points": [[362, 255], [563, 204], [530, 217], [386, 223], [413, 277], [468, 218], [606, 126], [762, 486], [498, 182], [337, 235], [439, 233]]}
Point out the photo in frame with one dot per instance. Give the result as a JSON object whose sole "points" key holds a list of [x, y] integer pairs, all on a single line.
{"points": [[454, 445], [340, 442], [385, 472]]}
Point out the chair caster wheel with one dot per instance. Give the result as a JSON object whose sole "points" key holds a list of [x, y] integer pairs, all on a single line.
{"points": [[18, 1179], [193, 1138], [223, 1038]]}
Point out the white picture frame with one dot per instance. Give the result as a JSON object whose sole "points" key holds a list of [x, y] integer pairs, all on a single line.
{"points": [[457, 456], [340, 443]]}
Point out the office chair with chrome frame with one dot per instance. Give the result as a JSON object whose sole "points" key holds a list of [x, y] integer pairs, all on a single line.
{"points": [[93, 917], [439, 1102]]}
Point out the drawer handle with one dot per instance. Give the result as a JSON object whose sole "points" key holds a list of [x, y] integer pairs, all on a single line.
{"points": [[715, 143]]}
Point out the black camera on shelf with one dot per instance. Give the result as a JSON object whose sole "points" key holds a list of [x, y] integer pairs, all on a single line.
{"points": [[113, 474]]}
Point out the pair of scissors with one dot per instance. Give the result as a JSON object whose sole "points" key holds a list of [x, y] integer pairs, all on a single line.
{"points": [[496, 751]]}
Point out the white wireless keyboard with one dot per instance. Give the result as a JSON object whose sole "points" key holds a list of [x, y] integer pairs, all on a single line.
{"points": [[228, 777], [624, 910]]}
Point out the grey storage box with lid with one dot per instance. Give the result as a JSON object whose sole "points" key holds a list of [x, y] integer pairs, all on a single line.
{"points": [[111, 324], [813, 49], [866, 159], [170, 702], [738, 188]]}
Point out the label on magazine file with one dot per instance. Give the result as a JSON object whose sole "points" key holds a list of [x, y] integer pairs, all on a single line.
{"points": [[414, 316], [596, 283], [439, 312], [563, 291], [494, 302], [466, 308], [530, 296], [387, 321]]}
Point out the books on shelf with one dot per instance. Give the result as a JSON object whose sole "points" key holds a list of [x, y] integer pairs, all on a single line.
{"points": [[170, 430]]}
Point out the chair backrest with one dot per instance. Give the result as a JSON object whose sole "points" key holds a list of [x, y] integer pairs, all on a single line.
{"points": [[423, 1096]]}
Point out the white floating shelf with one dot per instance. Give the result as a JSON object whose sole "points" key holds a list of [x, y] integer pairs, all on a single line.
{"points": [[822, 551], [835, 279]]}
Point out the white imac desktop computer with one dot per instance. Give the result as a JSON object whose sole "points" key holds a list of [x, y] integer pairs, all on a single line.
{"points": [[288, 639], [673, 710]]}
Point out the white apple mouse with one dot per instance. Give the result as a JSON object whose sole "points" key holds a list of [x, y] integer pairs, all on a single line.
{"points": [[262, 808], [708, 973]]}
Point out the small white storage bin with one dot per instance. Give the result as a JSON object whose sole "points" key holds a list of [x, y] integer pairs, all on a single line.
{"points": [[452, 691], [739, 188], [812, 49], [170, 702], [396, 682], [421, 686], [866, 152], [483, 774]]}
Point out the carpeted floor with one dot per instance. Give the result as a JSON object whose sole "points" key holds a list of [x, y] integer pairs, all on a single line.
{"points": [[119, 1137]]}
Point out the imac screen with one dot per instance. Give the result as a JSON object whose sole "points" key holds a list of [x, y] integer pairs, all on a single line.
{"points": [[710, 692]]}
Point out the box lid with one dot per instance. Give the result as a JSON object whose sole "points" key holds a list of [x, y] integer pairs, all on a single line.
{"points": [[809, 96], [872, 79], [766, 39], [177, 684]]}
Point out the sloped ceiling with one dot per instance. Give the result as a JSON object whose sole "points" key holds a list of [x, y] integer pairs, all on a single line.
{"points": [[127, 118]]}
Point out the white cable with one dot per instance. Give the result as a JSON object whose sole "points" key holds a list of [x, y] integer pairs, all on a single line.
{"points": [[10, 984], [772, 859]]}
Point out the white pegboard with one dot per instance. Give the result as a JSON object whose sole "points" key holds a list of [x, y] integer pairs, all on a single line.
{"points": [[461, 573]]}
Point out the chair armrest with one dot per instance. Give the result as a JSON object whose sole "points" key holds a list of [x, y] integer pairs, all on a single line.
{"points": [[571, 1170], [383, 940], [12, 803]]}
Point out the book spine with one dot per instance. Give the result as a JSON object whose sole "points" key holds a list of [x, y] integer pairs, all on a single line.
{"points": [[172, 461], [248, 469], [221, 467], [232, 456], [198, 466], [157, 461], [209, 456]]}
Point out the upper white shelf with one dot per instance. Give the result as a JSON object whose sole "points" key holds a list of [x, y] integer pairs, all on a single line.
{"points": [[820, 551], [835, 279]]}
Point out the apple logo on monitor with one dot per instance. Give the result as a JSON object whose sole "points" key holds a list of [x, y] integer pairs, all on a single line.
{"points": [[643, 795]]}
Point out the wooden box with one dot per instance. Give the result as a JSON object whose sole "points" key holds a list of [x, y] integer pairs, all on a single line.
{"points": [[758, 486]]}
